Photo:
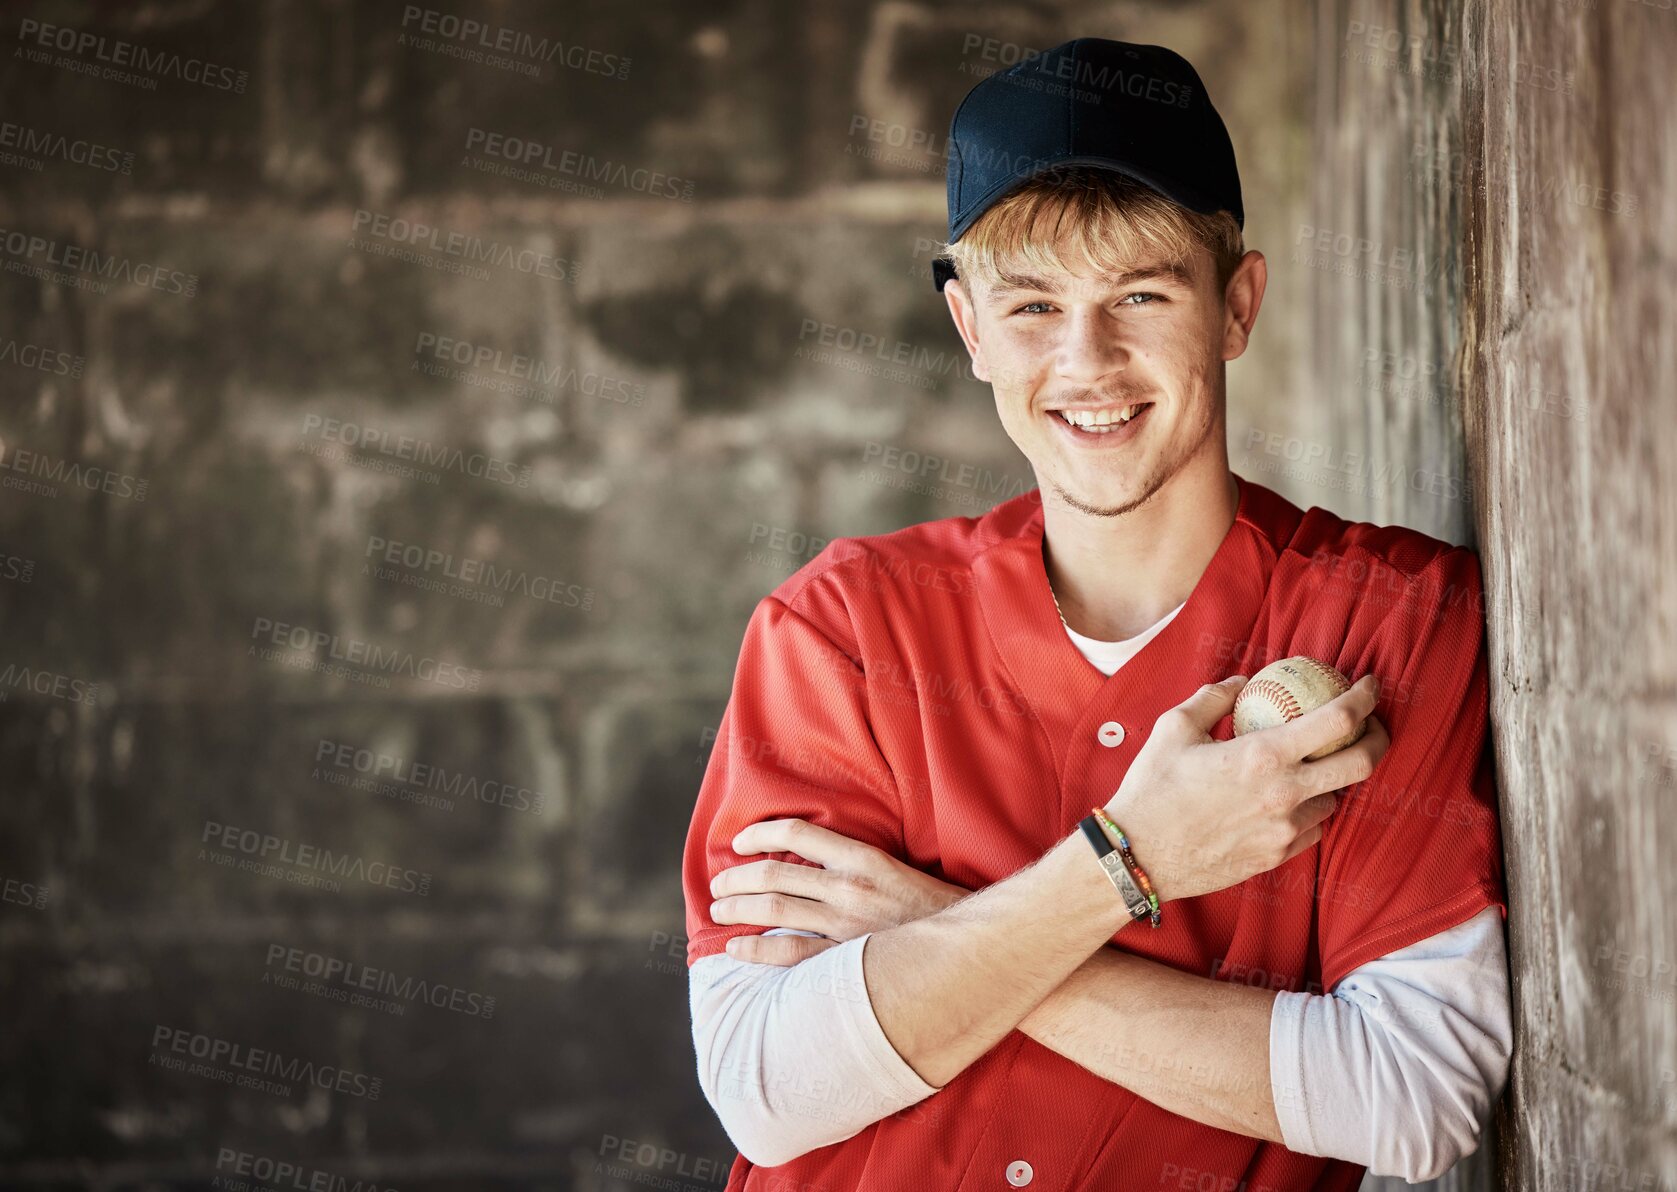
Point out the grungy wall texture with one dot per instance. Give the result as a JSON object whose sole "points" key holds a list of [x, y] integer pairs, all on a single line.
{"points": [[1569, 365], [376, 358], [1380, 245], [1497, 180]]}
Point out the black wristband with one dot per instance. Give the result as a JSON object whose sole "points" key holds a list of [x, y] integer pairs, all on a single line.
{"points": [[1112, 862]]}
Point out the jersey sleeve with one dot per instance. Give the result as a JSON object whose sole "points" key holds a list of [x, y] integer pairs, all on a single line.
{"points": [[794, 742], [1416, 849]]}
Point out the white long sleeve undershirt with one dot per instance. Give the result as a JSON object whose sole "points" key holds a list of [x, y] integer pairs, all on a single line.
{"points": [[1395, 1068]]}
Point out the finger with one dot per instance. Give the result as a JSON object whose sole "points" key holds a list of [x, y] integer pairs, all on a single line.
{"points": [[777, 949], [1313, 811], [1211, 703], [808, 840], [1304, 735], [775, 910], [770, 876], [1348, 766], [1304, 841]]}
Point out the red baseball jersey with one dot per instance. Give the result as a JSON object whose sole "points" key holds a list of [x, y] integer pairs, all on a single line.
{"points": [[916, 690]]}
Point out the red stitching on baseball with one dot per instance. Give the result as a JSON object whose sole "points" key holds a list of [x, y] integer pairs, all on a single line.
{"points": [[1275, 692], [1328, 672]]}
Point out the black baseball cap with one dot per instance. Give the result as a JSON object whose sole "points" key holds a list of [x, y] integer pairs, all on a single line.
{"points": [[1138, 109]]}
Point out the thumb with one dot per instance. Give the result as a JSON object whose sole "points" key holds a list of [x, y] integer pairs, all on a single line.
{"points": [[1212, 702]]}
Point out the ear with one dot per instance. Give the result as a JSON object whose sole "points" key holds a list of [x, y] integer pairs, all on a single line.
{"points": [[1241, 299], [964, 311]]}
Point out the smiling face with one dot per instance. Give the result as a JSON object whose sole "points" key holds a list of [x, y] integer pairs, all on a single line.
{"points": [[1108, 373]]}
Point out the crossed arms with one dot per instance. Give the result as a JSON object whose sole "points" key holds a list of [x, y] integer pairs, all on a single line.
{"points": [[1396, 1070], [1005, 960]]}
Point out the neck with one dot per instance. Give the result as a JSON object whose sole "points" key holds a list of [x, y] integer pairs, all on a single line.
{"points": [[1116, 576]]}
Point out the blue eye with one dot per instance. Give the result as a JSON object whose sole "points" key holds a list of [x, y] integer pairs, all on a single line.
{"points": [[1139, 298]]}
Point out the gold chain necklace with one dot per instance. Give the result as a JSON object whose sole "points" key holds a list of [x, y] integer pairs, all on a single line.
{"points": [[1051, 595], [1056, 601]]}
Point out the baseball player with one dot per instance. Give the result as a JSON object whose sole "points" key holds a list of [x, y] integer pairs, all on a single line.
{"points": [[982, 891]]}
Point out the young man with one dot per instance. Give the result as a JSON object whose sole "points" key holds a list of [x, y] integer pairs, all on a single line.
{"points": [[950, 993]]}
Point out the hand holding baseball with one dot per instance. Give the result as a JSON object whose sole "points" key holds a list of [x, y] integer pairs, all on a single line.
{"points": [[1287, 689], [1203, 814]]}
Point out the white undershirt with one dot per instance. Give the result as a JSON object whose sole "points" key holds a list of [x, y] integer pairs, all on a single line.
{"points": [[1395, 1068], [1109, 656]]}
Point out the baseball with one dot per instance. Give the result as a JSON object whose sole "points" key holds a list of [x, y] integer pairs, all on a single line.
{"points": [[1289, 688]]}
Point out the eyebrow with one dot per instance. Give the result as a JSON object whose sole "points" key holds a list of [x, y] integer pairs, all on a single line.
{"points": [[1019, 283]]}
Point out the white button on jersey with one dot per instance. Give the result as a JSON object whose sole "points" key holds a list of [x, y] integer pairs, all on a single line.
{"points": [[1111, 734], [1019, 1173]]}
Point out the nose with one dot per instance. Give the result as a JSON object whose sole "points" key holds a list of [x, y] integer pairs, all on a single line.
{"points": [[1091, 347]]}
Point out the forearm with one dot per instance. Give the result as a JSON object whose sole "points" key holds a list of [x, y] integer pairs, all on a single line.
{"points": [[792, 1059], [948, 987], [1194, 1046]]}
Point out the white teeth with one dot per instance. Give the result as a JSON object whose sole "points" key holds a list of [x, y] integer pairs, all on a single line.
{"points": [[1099, 420]]}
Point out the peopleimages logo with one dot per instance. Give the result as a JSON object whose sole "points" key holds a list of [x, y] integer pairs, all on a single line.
{"points": [[1101, 80], [246, 1067], [405, 776], [353, 650], [418, 561], [487, 367], [40, 358], [36, 145], [278, 1174], [48, 471], [329, 433], [527, 160], [21, 893], [468, 247], [102, 56], [14, 677], [265, 853], [42, 256], [480, 41], [360, 979]]}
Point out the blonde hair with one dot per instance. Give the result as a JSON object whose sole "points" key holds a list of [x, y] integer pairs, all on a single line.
{"points": [[1112, 220]]}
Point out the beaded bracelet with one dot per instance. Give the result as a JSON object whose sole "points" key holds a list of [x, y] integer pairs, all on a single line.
{"points": [[1134, 866]]}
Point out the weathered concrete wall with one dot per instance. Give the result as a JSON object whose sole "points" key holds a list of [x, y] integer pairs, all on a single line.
{"points": [[1496, 320], [1379, 434], [1568, 369]]}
